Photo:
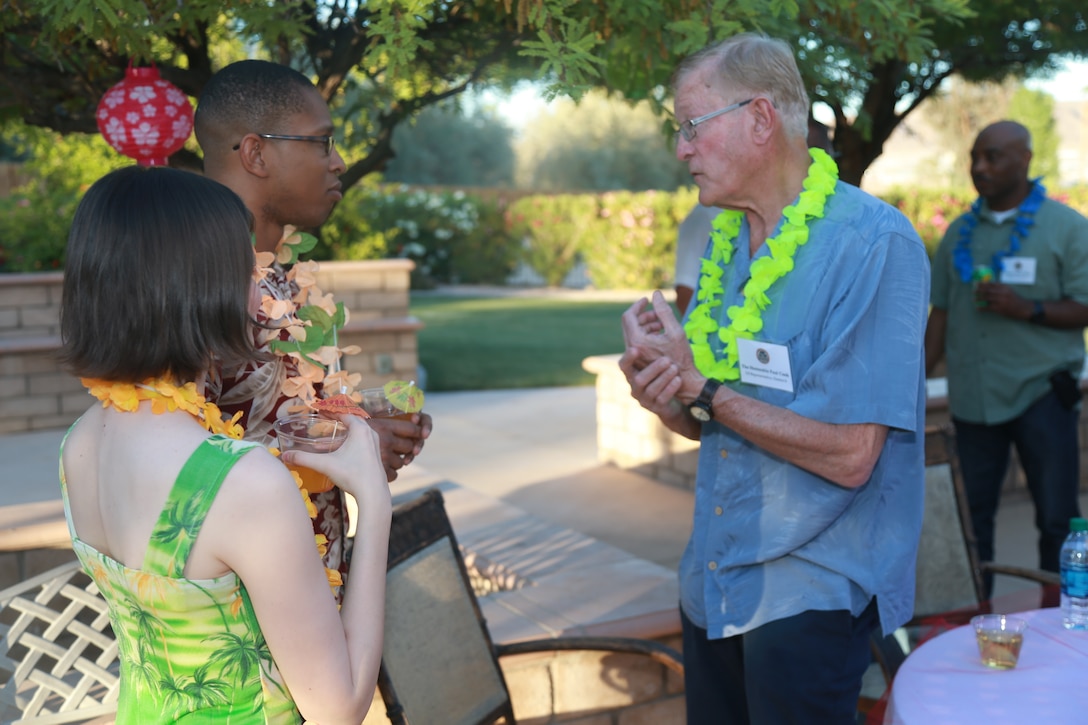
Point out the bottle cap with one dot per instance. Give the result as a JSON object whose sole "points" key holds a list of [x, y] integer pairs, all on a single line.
{"points": [[1078, 524]]}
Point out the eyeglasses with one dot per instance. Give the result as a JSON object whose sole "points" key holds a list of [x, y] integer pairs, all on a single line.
{"points": [[687, 128], [327, 141]]}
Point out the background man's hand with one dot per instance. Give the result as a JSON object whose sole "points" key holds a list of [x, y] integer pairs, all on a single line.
{"points": [[1001, 299], [400, 441]]}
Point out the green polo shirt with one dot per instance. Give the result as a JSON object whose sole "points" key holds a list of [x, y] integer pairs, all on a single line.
{"points": [[998, 367]]}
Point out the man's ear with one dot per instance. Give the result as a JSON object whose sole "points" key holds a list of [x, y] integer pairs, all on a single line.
{"points": [[251, 155], [764, 119]]}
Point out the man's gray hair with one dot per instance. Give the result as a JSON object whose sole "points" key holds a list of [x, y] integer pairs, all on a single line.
{"points": [[760, 64]]}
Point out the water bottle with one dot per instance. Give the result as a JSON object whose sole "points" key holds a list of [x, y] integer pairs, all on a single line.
{"points": [[1074, 571]]}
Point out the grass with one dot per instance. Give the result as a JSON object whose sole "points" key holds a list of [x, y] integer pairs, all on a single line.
{"points": [[486, 343]]}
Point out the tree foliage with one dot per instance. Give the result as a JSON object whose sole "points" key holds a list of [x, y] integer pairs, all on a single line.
{"points": [[445, 145], [379, 62], [1035, 109], [600, 143], [960, 111], [870, 94]]}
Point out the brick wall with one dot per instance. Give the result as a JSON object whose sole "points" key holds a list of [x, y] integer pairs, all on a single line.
{"points": [[631, 437], [36, 394], [585, 688]]}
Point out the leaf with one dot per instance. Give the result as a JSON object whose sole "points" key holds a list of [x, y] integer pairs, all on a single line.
{"points": [[318, 316]]}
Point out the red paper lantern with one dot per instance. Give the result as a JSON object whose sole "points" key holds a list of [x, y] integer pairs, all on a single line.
{"points": [[145, 117]]}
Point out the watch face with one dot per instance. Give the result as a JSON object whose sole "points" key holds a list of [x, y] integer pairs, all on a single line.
{"points": [[699, 414]]}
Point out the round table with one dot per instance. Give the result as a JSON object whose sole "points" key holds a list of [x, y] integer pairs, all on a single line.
{"points": [[945, 682]]}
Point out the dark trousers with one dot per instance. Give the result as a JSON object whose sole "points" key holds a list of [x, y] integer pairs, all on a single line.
{"points": [[803, 669], [1045, 436]]}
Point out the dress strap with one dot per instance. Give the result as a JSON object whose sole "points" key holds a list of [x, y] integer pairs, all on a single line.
{"points": [[187, 505], [64, 482]]}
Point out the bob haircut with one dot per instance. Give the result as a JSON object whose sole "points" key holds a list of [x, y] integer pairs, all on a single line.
{"points": [[157, 280]]}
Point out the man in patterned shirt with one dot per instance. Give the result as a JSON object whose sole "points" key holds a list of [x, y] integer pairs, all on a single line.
{"points": [[266, 133]]}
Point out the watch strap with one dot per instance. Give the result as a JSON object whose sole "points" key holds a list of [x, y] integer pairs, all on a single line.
{"points": [[705, 400], [1038, 313]]}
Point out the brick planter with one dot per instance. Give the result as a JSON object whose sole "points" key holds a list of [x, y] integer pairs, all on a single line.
{"points": [[36, 394]]}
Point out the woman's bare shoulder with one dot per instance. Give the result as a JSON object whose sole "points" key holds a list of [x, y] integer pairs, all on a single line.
{"points": [[259, 479]]}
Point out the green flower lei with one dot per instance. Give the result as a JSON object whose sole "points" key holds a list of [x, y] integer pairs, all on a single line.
{"points": [[747, 319]]}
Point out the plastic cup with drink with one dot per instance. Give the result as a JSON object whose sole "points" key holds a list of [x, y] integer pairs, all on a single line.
{"points": [[314, 434], [1000, 638], [395, 399]]}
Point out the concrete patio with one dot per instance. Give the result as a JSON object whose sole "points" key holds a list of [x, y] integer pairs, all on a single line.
{"points": [[534, 449]]}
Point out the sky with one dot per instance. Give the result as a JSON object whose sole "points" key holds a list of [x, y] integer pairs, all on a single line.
{"points": [[1071, 84]]}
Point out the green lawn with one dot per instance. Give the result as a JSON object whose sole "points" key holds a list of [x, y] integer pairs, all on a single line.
{"points": [[478, 343]]}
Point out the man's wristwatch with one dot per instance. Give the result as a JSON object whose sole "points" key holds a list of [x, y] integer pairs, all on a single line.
{"points": [[702, 408], [1038, 313]]}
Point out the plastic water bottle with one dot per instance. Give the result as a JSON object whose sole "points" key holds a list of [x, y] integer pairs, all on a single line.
{"points": [[1074, 570]]}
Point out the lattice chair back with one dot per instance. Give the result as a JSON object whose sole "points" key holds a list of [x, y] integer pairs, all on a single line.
{"points": [[439, 665], [58, 656]]}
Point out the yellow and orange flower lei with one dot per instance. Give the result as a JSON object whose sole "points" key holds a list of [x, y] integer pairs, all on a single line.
{"points": [[167, 397], [311, 318]]}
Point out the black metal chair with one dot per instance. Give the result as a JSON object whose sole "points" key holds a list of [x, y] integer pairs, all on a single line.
{"points": [[440, 665]]}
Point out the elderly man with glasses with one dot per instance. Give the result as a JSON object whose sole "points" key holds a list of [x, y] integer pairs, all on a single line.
{"points": [[267, 134], [800, 369]]}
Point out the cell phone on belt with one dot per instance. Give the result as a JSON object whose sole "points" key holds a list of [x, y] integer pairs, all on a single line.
{"points": [[1067, 388]]}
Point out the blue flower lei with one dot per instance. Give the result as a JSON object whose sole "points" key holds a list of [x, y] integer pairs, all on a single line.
{"points": [[1025, 219]]}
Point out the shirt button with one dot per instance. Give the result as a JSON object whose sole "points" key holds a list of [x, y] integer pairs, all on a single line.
{"points": [[717, 510], [724, 453], [712, 566]]}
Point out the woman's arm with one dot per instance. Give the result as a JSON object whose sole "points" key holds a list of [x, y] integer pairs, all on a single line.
{"points": [[328, 659]]}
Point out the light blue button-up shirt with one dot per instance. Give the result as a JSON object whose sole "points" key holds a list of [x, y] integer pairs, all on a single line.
{"points": [[771, 540]]}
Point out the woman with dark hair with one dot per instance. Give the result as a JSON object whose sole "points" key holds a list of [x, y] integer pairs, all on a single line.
{"points": [[201, 542]]}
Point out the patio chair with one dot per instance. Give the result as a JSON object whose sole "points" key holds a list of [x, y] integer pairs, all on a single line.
{"points": [[439, 664], [58, 656], [948, 585]]}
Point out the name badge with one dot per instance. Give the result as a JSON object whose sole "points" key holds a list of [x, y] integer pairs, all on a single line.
{"points": [[765, 364], [1018, 270]]}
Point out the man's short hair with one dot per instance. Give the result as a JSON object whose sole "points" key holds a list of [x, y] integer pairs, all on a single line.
{"points": [[249, 96], [758, 64], [157, 279]]}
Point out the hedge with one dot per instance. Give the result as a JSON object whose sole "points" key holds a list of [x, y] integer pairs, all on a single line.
{"points": [[626, 240]]}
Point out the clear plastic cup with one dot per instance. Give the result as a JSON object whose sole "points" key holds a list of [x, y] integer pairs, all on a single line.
{"points": [[1000, 638], [312, 433], [378, 405]]}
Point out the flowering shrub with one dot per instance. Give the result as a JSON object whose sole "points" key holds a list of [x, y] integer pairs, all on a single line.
{"points": [[552, 231], [930, 211], [634, 238], [626, 239], [451, 236]]}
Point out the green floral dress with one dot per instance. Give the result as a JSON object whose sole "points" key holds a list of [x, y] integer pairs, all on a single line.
{"points": [[191, 651]]}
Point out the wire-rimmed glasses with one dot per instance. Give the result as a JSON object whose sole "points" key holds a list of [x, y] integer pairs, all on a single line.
{"points": [[327, 140], [687, 128]]}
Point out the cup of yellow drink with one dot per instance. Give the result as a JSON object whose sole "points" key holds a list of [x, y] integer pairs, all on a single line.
{"points": [[314, 434], [1000, 638]]}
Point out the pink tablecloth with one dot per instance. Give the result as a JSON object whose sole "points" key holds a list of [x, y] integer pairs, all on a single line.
{"points": [[943, 682]]}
